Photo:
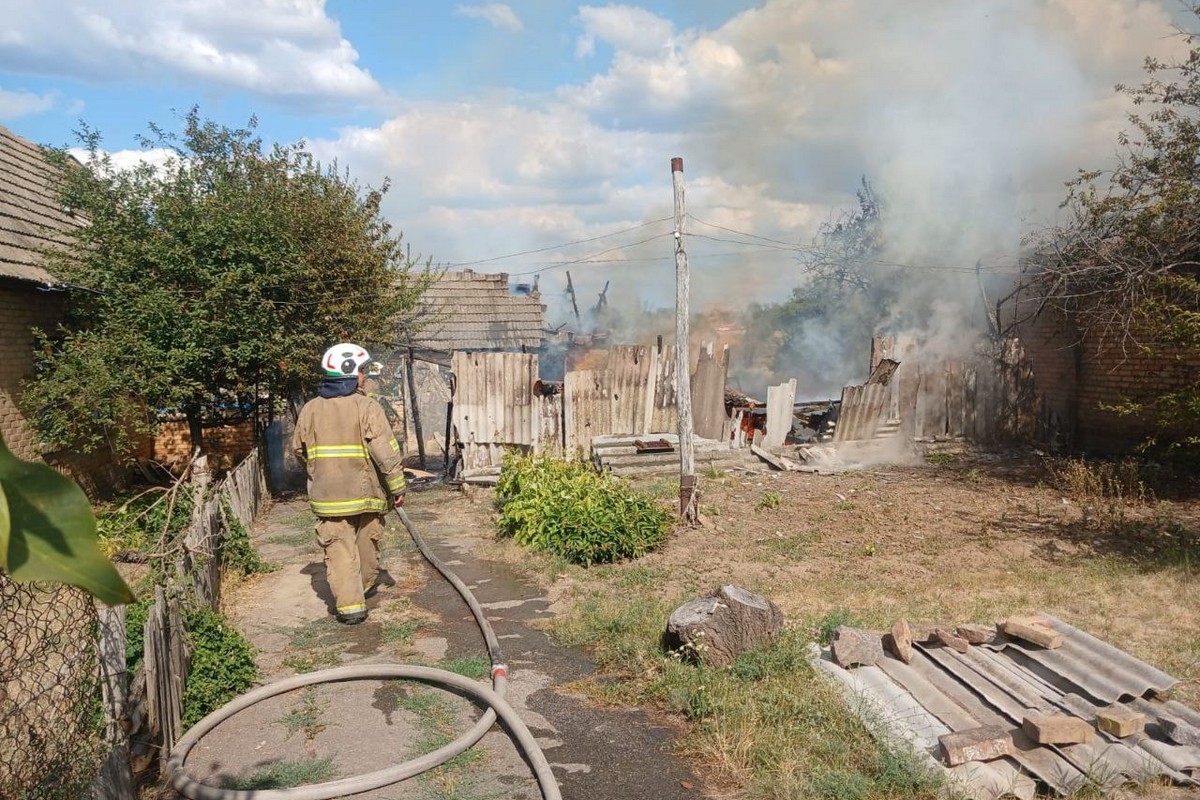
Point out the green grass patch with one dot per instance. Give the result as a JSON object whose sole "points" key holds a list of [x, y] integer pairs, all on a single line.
{"points": [[768, 723], [400, 632], [286, 775], [306, 716], [569, 509], [475, 667], [768, 501], [940, 459]]}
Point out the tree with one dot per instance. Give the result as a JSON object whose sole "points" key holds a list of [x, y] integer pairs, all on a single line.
{"points": [[1125, 266], [208, 281]]}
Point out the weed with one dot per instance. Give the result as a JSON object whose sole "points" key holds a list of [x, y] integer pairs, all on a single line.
{"points": [[306, 716], [311, 660], [475, 667], [402, 632], [286, 775], [144, 521], [844, 505], [712, 472], [870, 549], [768, 501], [833, 619], [664, 488], [567, 508], [710, 510], [237, 551], [940, 459]]}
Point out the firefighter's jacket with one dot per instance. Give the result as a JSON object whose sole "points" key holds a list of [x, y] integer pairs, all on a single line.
{"points": [[342, 440]]}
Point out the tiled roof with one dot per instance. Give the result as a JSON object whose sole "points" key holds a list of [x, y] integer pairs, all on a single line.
{"points": [[31, 218], [474, 311]]}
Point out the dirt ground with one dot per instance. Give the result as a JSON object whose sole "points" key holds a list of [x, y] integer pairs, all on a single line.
{"points": [[974, 538]]}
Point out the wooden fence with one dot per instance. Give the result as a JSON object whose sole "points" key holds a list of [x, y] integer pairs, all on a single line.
{"points": [[988, 397], [145, 719]]}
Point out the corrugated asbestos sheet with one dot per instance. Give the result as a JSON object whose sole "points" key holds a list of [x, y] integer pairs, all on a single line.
{"points": [[493, 404], [472, 311], [630, 368], [31, 218], [862, 411], [944, 691]]}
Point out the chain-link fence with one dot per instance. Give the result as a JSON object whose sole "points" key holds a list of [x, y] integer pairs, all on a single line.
{"points": [[51, 716]]}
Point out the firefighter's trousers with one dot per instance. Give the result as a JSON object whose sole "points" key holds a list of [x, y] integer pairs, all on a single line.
{"points": [[351, 546]]}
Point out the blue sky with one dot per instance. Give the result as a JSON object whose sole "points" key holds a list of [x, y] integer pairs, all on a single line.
{"points": [[549, 126]]}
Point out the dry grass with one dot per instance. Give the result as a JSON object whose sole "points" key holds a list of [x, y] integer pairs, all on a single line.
{"points": [[953, 543]]}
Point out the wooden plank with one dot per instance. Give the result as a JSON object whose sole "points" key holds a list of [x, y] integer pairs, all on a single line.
{"points": [[954, 398], [115, 780]]}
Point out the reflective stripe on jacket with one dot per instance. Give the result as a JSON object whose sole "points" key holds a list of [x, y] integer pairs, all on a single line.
{"points": [[342, 441]]}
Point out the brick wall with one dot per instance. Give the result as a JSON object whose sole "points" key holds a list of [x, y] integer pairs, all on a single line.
{"points": [[1111, 374], [22, 308], [1079, 375], [226, 445]]}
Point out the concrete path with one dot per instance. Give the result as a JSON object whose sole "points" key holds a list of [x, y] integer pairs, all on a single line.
{"points": [[339, 730]]}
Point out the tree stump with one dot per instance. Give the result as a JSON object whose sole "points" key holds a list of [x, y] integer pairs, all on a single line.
{"points": [[716, 629]]}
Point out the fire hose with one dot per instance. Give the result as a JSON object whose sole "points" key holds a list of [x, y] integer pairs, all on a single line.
{"points": [[492, 699]]}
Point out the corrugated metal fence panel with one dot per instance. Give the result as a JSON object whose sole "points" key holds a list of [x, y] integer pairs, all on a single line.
{"points": [[628, 370], [665, 415], [587, 409]]}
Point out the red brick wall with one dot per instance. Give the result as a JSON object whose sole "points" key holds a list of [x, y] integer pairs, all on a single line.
{"points": [[1110, 374], [225, 445], [21, 310], [1077, 376]]}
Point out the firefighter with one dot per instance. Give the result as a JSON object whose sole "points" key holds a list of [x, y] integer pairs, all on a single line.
{"points": [[343, 438]]}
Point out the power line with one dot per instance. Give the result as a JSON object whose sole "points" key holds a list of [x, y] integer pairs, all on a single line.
{"points": [[558, 246]]}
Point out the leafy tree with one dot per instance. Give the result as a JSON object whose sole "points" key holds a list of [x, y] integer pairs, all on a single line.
{"points": [[213, 279], [1125, 266]]}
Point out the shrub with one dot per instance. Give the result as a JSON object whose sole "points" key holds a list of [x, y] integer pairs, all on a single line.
{"points": [[222, 664], [568, 509]]}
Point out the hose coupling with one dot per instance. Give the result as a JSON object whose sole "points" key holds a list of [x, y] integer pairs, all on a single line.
{"points": [[499, 671]]}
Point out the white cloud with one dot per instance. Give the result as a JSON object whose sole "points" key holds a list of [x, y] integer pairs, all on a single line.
{"points": [[14, 104], [283, 49], [628, 29], [498, 15]]}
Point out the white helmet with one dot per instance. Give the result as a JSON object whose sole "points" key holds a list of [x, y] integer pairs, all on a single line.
{"points": [[344, 360]]}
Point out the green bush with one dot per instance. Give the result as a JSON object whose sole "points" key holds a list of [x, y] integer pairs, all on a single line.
{"points": [[568, 509], [139, 523], [237, 551], [222, 665]]}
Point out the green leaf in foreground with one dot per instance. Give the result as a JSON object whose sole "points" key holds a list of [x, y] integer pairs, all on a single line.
{"points": [[48, 532]]}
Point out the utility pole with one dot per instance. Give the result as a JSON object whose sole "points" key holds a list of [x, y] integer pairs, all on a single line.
{"points": [[571, 291], [683, 378]]}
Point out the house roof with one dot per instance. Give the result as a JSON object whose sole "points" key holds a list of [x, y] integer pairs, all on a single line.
{"points": [[31, 218], [473, 311]]}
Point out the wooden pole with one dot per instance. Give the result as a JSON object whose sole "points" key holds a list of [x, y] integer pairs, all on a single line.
{"points": [[416, 415], [683, 379]]}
